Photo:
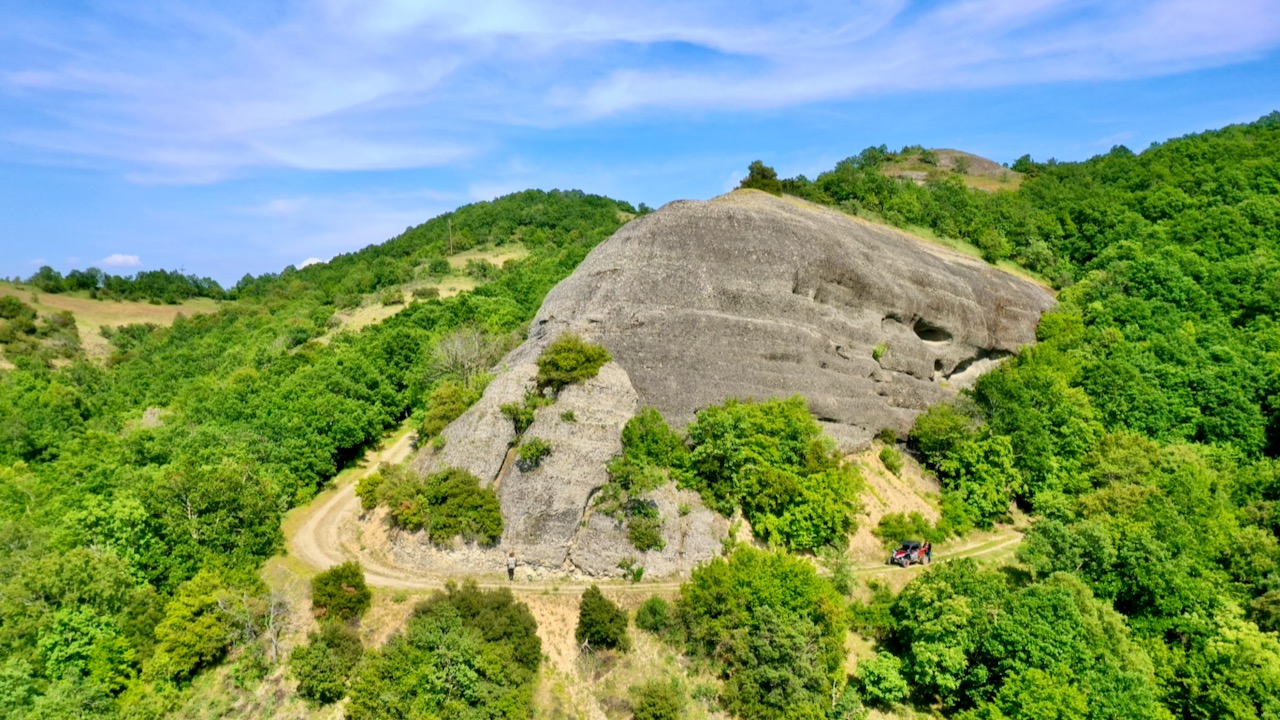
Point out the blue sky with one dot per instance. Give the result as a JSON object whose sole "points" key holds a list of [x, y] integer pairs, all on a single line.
{"points": [[232, 137]]}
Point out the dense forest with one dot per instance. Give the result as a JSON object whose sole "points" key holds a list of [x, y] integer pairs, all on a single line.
{"points": [[138, 496], [1142, 432]]}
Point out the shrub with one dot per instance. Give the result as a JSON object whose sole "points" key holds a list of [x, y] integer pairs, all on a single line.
{"points": [[446, 504], [464, 653], [520, 415], [878, 351], [393, 297], [649, 440], [568, 416], [655, 616], [896, 527], [568, 360], [323, 666], [340, 592], [438, 266], [892, 459], [367, 489], [531, 453], [771, 460], [880, 680], [601, 624], [445, 404], [655, 700], [645, 532]]}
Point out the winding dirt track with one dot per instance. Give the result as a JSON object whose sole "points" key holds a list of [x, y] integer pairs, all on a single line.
{"points": [[329, 536]]}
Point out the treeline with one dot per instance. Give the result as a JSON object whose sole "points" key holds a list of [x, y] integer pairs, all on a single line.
{"points": [[139, 496], [159, 286]]}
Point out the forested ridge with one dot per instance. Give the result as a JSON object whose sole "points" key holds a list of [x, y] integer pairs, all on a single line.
{"points": [[1141, 434]]}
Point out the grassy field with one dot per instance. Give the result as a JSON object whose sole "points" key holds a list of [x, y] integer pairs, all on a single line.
{"points": [[92, 314]]}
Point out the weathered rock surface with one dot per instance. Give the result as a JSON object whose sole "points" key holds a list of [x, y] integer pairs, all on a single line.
{"points": [[747, 296]]}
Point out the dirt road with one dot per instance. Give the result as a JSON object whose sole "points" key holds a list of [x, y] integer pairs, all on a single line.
{"points": [[329, 534]]}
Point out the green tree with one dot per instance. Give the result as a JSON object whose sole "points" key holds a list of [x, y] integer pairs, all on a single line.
{"points": [[602, 625], [761, 177], [323, 666], [340, 593]]}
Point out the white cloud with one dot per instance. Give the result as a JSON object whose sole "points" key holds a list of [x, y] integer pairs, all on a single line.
{"points": [[310, 261], [176, 95], [118, 260]]}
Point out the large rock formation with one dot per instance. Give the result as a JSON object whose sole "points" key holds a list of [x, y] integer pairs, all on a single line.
{"points": [[747, 296]]}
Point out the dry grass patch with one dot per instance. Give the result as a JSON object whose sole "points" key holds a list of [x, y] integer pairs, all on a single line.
{"points": [[92, 314], [499, 256]]}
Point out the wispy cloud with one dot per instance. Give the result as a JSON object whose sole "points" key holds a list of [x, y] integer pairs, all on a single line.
{"points": [[119, 260], [195, 96]]}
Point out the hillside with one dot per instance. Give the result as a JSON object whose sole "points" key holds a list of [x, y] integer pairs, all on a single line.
{"points": [[1104, 502], [91, 315]]}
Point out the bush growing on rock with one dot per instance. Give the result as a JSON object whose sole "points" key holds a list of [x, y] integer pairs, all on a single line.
{"points": [[340, 592], [531, 453], [444, 505], [568, 360], [601, 624]]}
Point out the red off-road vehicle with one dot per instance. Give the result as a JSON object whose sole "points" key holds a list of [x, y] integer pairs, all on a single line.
{"points": [[911, 551]]}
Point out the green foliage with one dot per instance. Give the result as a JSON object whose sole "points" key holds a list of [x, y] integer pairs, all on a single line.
{"points": [[531, 453], [892, 459], [465, 653], [569, 360], [880, 680], [323, 666], [771, 627], [644, 525], [975, 465], [367, 489], [446, 403], [656, 700], [761, 177], [444, 505], [340, 593], [602, 625], [771, 460], [649, 440], [655, 615], [195, 632], [878, 351], [896, 527], [568, 416]]}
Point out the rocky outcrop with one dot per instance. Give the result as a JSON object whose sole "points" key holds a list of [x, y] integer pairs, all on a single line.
{"points": [[748, 296]]}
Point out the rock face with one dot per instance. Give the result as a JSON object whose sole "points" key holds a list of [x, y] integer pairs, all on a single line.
{"points": [[747, 296]]}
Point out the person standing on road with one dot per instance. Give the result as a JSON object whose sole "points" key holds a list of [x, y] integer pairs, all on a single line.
{"points": [[511, 565]]}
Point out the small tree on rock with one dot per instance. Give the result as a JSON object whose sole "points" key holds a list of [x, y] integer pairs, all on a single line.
{"points": [[568, 360]]}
